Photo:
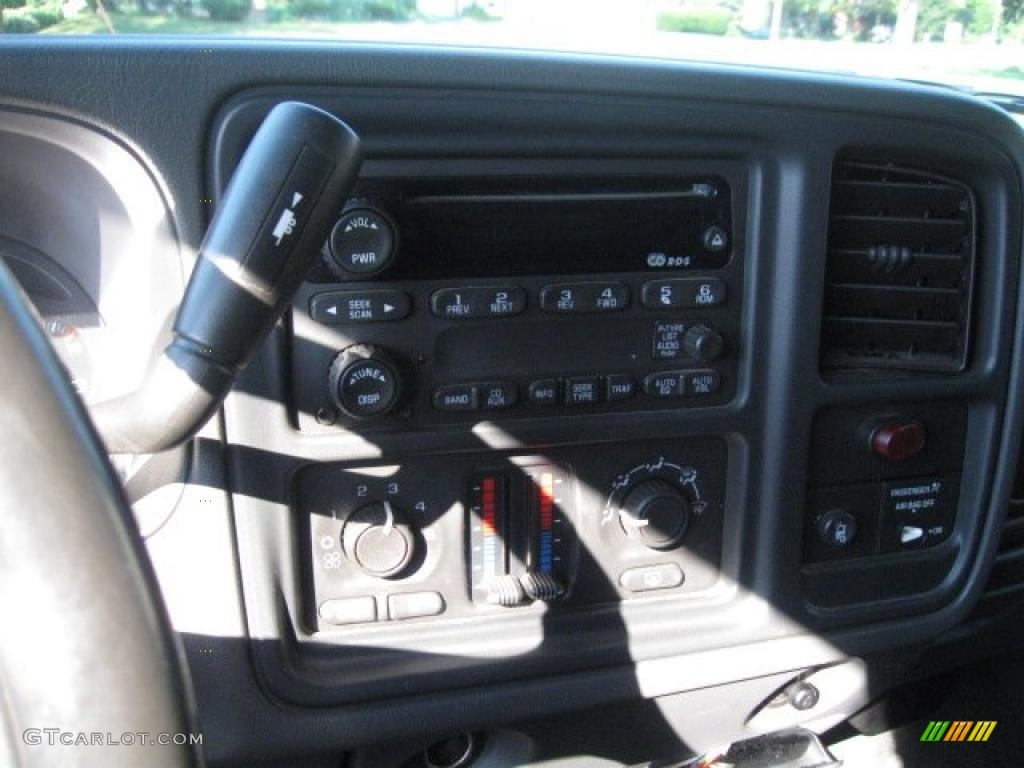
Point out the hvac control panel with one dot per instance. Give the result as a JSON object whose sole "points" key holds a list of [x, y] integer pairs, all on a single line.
{"points": [[438, 304], [455, 536]]}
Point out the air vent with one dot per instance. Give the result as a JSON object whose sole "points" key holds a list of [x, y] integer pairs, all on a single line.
{"points": [[900, 267]]}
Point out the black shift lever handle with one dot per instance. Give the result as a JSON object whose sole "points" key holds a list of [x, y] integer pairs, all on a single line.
{"points": [[269, 226], [271, 222]]}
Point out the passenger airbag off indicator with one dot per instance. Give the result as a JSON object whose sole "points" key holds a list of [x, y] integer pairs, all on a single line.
{"points": [[918, 513]]}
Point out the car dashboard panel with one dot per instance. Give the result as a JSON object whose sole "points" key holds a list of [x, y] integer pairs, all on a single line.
{"points": [[614, 381]]}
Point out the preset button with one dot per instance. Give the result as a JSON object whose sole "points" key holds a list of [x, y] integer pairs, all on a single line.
{"points": [[469, 302], [577, 298], [683, 293]]}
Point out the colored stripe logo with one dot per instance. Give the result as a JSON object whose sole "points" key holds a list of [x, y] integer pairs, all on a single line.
{"points": [[958, 730]]}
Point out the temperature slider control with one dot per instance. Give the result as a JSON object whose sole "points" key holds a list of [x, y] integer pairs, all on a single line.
{"points": [[521, 537]]}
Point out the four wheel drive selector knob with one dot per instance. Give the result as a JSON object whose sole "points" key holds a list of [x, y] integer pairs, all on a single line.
{"points": [[365, 382], [378, 539], [656, 513]]}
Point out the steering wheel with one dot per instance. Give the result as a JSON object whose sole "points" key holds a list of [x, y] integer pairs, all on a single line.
{"points": [[90, 671]]}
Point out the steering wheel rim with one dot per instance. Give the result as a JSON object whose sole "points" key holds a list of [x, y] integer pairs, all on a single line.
{"points": [[86, 647]]}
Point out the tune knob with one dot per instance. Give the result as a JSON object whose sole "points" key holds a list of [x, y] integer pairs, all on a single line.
{"points": [[656, 513], [378, 539], [364, 382], [703, 343]]}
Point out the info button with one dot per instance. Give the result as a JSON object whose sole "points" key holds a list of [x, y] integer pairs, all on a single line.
{"points": [[543, 392]]}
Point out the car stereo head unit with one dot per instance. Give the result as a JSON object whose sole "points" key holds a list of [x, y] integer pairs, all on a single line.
{"points": [[443, 300]]}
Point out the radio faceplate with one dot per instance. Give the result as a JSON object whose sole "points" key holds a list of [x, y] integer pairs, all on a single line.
{"points": [[532, 364], [420, 333]]}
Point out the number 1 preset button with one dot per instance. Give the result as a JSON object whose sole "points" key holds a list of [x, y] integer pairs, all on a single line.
{"points": [[475, 301]]}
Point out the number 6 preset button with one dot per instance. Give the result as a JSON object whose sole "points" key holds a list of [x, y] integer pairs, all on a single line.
{"points": [[474, 301], [571, 298]]}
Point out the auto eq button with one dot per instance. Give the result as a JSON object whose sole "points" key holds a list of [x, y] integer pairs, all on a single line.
{"points": [[664, 384]]}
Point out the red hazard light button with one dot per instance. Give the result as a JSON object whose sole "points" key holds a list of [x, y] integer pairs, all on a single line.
{"points": [[898, 440]]}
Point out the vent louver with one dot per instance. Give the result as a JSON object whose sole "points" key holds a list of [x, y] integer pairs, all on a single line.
{"points": [[900, 266]]}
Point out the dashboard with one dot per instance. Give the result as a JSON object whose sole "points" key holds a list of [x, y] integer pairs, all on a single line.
{"points": [[617, 384]]}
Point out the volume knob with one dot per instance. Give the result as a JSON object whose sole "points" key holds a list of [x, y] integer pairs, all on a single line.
{"points": [[362, 243], [656, 513]]}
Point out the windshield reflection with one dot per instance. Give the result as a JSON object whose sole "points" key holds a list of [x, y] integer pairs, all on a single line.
{"points": [[977, 44]]}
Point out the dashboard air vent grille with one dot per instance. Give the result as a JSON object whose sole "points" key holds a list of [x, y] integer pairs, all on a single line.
{"points": [[901, 250]]}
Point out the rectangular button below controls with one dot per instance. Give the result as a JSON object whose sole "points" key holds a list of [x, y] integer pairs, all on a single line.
{"points": [[543, 392], [457, 397], [351, 610], [582, 390], [341, 307], [619, 387], [664, 384], [414, 605], [651, 577], [683, 293], [701, 383], [496, 395]]}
